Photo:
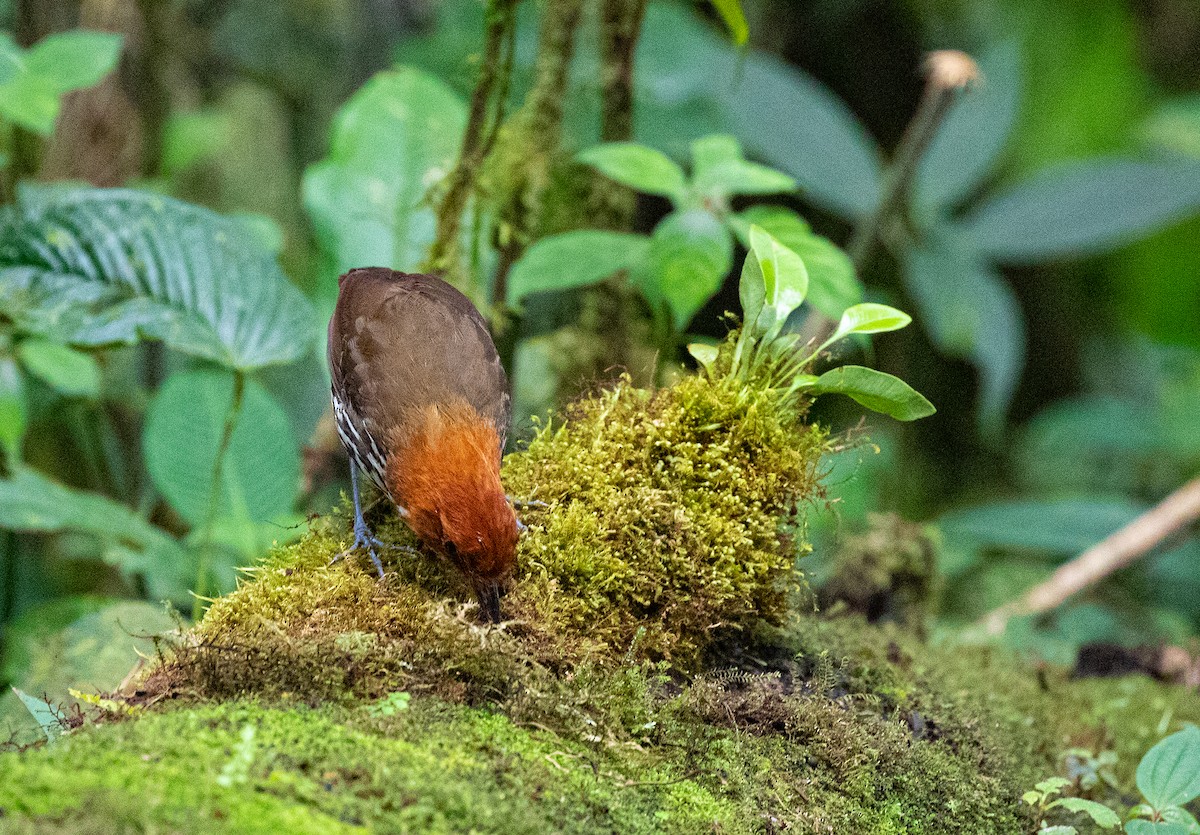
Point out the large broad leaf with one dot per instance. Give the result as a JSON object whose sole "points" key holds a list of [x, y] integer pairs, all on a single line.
{"points": [[796, 124], [876, 390], [637, 166], [969, 312], [1169, 774], [184, 426], [1063, 526], [87, 643], [1084, 208], [973, 133], [33, 81], [832, 285], [573, 259], [92, 266], [689, 254], [32, 503], [396, 138]]}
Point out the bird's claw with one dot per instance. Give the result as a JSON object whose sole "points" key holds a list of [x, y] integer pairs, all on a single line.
{"points": [[364, 540]]}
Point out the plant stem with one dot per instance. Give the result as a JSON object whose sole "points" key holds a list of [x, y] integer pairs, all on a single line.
{"points": [[501, 20], [214, 494], [1174, 513], [948, 72]]}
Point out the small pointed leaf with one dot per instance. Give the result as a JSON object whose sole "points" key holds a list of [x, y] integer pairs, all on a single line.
{"points": [[869, 317], [876, 390], [704, 354], [44, 713], [1100, 814]]}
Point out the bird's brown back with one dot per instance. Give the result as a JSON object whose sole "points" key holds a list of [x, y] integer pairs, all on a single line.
{"points": [[399, 342]]}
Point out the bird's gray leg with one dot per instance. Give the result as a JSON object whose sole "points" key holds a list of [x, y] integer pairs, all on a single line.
{"points": [[363, 538], [521, 504]]}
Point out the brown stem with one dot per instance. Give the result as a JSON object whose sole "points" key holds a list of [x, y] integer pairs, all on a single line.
{"points": [[538, 129], [620, 24], [949, 72], [1139, 537], [461, 181]]}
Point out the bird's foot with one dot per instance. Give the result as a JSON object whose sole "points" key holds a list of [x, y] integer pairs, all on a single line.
{"points": [[364, 540]]}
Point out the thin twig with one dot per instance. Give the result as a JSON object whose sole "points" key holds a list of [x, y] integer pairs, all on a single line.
{"points": [[1139, 537], [948, 73]]}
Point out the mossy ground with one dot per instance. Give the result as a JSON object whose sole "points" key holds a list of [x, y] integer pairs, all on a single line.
{"points": [[651, 676]]}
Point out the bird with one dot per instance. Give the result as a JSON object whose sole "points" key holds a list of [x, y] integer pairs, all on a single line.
{"points": [[421, 403]]}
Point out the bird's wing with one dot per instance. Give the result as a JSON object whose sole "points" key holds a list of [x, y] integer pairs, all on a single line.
{"points": [[399, 342]]}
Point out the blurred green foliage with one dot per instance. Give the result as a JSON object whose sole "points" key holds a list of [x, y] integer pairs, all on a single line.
{"points": [[161, 374]]}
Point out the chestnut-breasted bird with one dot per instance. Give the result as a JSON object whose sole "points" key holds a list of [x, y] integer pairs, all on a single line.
{"points": [[422, 407]]}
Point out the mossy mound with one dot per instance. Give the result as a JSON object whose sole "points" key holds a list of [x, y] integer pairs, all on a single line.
{"points": [[844, 728], [663, 522]]}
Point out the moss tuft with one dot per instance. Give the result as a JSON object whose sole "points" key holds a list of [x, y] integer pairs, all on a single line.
{"points": [[665, 522]]}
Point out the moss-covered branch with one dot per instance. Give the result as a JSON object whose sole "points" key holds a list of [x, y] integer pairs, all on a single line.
{"points": [[487, 106]]}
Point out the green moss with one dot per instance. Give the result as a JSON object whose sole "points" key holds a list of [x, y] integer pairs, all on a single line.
{"points": [[666, 526], [811, 745], [651, 676], [886, 573], [433, 768]]}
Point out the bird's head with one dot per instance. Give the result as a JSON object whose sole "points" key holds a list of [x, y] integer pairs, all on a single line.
{"points": [[480, 539]]}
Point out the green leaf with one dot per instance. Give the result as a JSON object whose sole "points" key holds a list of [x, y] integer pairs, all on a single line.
{"points": [[1058, 830], [792, 121], [1084, 208], [637, 166], [184, 425], [13, 410], [1145, 827], [573, 259], [832, 285], [1052, 785], [876, 390], [735, 20], [713, 150], [704, 353], [973, 133], [32, 503], [720, 170], [1103, 816], [970, 312], [48, 717], [869, 317], [32, 83], [784, 274], [687, 259], [1182, 817], [90, 642], [394, 140], [1169, 773], [74, 60], [92, 267], [67, 371]]}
